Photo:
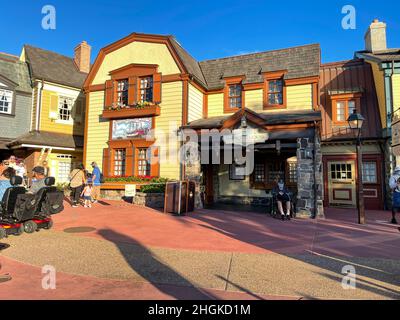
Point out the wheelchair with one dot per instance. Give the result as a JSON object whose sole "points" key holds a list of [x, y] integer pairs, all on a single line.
{"points": [[274, 205], [23, 212]]}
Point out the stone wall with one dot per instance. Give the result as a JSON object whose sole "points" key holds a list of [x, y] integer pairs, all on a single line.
{"points": [[309, 178], [151, 200], [193, 173]]}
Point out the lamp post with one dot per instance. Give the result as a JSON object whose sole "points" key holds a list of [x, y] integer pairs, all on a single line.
{"points": [[356, 121]]}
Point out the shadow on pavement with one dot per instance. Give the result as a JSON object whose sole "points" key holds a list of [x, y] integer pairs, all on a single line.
{"points": [[149, 267]]}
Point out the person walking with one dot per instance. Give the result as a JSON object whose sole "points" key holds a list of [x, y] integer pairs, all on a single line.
{"points": [[96, 179], [87, 195], [77, 180], [394, 184]]}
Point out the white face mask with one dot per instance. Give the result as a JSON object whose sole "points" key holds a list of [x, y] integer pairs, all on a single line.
{"points": [[281, 185]]}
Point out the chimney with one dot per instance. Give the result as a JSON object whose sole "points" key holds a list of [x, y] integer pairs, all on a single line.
{"points": [[375, 38], [82, 56]]}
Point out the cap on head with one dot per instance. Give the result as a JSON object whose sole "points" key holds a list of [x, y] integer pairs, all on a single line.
{"points": [[94, 164], [39, 170]]}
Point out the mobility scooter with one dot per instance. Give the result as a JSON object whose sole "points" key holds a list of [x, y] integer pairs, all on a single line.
{"points": [[23, 212]]}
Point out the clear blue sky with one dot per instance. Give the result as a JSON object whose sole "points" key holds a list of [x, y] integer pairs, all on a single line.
{"points": [[207, 29]]}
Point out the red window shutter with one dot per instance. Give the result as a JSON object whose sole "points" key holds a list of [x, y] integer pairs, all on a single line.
{"points": [[109, 93], [155, 162], [132, 92], [157, 88], [106, 162]]}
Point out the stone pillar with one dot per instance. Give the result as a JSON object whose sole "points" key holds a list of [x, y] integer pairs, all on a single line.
{"points": [[193, 173], [309, 178], [389, 166]]}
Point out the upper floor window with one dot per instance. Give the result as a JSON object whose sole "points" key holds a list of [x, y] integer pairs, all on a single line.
{"points": [[343, 109], [146, 89], [122, 92], [275, 92], [6, 98], [65, 108], [235, 96]]}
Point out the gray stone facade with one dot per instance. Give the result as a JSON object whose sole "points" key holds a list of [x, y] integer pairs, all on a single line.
{"points": [[309, 178], [151, 200], [193, 173]]}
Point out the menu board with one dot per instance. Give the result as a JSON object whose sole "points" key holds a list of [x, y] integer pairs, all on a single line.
{"points": [[131, 128]]}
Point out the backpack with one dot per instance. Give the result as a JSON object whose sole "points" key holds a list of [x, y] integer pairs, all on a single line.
{"points": [[102, 180]]}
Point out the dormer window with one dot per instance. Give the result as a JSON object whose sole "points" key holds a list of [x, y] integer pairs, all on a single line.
{"points": [[235, 96], [122, 92], [146, 89], [6, 99], [275, 92]]}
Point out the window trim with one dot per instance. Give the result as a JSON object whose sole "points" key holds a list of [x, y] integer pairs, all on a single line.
{"points": [[274, 76], [13, 102], [346, 98], [71, 119], [231, 81], [134, 73]]}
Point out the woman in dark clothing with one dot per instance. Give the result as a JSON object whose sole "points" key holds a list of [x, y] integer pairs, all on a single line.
{"points": [[282, 195]]}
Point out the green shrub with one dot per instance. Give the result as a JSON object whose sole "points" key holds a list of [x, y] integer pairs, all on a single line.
{"points": [[153, 188]]}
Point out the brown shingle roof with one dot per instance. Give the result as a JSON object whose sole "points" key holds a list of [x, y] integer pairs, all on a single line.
{"points": [[270, 118], [300, 62], [50, 139], [190, 63], [388, 55], [16, 71], [54, 67]]}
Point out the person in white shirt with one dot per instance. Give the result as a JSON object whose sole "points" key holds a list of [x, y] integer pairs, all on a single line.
{"points": [[394, 184]]}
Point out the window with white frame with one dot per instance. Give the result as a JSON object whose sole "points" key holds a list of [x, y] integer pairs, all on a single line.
{"points": [[64, 169], [369, 172], [65, 105], [6, 97]]}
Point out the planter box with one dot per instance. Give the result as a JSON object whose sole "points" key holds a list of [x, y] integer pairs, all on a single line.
{"points": [[132, 112], [151, 200]]}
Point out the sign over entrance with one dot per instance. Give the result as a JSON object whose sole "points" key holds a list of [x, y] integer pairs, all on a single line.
{"points": [[246, 136]]}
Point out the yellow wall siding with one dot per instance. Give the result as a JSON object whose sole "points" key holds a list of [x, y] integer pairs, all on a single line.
{"points": [[171, 115], [97, 130], [47, 124], [137, 52], [215, 105], [299, 97], [34, 108], [195, 104], [254, 100], [236, 188], [380, 91], [54, 160], [396, 92], [338, 150]]}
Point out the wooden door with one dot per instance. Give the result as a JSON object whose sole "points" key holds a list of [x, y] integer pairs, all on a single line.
{"points": [[342, 183], [209, 185]]}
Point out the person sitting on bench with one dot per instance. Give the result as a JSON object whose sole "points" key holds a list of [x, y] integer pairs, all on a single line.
{"points": [[38, 181], [282, 198]]}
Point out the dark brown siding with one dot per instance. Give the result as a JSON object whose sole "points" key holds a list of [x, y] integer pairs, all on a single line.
{"points": [[346, 76]]}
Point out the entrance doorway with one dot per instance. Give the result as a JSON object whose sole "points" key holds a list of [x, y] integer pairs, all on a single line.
{"points": [[342, 183]]}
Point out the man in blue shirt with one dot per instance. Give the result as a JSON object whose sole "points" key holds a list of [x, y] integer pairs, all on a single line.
{"points": [[5, 181], [96, 179]]}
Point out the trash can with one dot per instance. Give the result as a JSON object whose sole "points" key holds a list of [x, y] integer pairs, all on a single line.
{"points": [[179, 197]]}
